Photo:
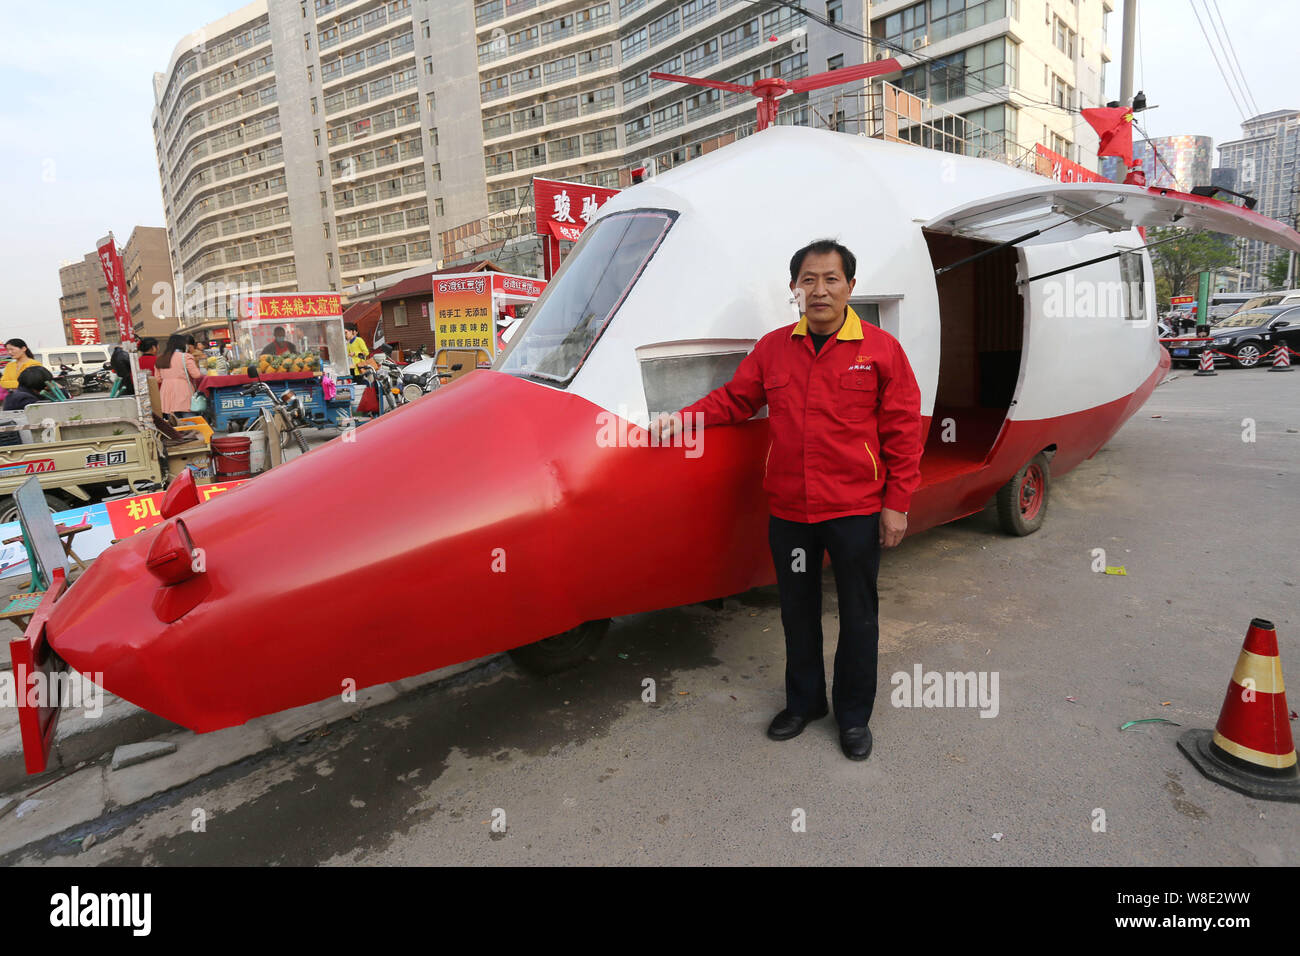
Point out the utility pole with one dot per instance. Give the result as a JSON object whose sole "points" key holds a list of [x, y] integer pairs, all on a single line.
{"points": [[1126, 53]]}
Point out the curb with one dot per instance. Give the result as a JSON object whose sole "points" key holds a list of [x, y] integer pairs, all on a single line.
{"points": [[82, 787]]}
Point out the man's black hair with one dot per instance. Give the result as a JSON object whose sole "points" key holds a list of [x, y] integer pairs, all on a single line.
{"points": [[148, 342], [821, 247]]}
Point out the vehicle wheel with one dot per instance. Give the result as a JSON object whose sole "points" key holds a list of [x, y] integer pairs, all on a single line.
{"points": [[1022, 501], [9, 510], [1248, 355], [561, 652]]}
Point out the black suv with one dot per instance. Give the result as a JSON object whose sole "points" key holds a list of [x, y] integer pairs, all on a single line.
{"points": [[1246, 336]]}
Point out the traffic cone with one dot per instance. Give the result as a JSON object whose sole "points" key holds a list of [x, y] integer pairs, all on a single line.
{"points": [[1250, 749], [1282, 360], [1207, 363]]}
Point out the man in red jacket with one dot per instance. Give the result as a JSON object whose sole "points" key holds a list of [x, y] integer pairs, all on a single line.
{"points": [[844, 416]]}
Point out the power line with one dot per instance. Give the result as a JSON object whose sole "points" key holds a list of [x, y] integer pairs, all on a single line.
{"points": [[1247, 91], [1214, 53]]}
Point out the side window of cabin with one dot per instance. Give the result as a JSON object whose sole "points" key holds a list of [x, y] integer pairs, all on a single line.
{"points": [[1135, 291], [675, 375]]}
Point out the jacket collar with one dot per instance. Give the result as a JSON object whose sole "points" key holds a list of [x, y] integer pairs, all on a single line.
{"points": [[850, 330]]}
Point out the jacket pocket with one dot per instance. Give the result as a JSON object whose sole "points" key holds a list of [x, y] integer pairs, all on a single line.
{"points": [[856, 397], [776, 386]]}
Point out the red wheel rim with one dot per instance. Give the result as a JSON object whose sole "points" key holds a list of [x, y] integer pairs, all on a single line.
{"points": [[1031, 493]]}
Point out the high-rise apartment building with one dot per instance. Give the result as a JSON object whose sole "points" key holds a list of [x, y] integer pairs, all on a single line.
{"points": [[297, 146], [1020, 70], [326, 143], [1265, 163]]}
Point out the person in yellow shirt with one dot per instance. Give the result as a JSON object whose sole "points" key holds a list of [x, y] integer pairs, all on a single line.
{"points": [[20, 357], [357, 351]]}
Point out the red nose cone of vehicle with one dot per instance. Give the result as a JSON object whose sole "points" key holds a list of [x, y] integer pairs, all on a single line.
{"points": [[492, 513]]}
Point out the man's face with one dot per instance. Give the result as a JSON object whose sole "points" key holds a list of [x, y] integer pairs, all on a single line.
{"points": [[826, 291]]}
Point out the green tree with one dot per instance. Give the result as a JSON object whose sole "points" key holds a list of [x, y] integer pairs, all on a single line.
{"points": [[1181, 260], [1275, 274]]}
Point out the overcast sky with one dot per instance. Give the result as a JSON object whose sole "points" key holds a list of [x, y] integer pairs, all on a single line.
{"points": [[78, 157]]}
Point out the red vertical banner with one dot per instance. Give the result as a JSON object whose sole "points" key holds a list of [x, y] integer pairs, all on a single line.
{"points": [[115, 279]]}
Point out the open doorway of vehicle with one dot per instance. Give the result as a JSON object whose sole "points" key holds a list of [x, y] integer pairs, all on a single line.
{"points": [[981, 316]]}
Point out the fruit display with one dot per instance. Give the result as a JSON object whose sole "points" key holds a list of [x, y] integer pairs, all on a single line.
{"points": [[290, 362]]}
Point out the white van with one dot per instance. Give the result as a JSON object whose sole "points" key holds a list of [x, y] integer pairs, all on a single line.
{"points": [[84, 358]]}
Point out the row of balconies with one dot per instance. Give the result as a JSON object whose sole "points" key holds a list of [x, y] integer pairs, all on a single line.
{"points": [[231, 138], [380, 52], [230, 198], [553, 31], [556, 111], [401, 220], [392, 255], [390, 85], [556, 71], [554, 151], [348, 197], [368, 126], [334, 34], [249, 221], [402, 151]]}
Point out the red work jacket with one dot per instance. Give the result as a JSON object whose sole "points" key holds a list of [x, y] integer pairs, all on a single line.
{"points": [[845, 422]]}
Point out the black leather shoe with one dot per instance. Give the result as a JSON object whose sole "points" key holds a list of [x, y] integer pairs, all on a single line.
{"points": [[856, 742], [788, 724]]}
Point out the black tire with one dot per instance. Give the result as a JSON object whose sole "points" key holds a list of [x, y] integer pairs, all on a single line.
{"points": [[9, 510], [1022, 501], [561, 652], [1248, 355]]}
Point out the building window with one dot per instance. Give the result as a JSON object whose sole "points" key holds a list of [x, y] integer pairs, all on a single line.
{"points": [[313, 106], [399, 313], [437, 207], [424, 28], [317, 136], [433, 137], [835, 62], [306, 41], [429, 100], [437, 172], [326, 227], [835, 11], [428, 65]]}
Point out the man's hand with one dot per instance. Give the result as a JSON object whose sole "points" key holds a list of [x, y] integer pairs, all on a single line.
{"points": [[893, 525], [666, 425]]}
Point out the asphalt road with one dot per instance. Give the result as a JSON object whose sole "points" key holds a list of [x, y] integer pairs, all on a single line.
{"points": [[585, 771]]}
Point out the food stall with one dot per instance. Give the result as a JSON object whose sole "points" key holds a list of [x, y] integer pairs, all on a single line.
{"points": [[291, 341]]}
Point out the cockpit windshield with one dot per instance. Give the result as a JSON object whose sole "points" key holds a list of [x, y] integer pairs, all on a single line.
{"points": [[583, 297]]}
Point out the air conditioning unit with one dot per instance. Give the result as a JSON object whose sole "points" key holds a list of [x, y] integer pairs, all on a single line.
{"points": [[882, 55], [800, 44], [918, 42]]}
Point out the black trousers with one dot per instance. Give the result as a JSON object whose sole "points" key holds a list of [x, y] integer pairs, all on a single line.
{"points": [[797, 553]]}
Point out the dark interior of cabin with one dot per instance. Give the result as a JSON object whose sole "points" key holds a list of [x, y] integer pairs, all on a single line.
{"points": [[982, 332]]}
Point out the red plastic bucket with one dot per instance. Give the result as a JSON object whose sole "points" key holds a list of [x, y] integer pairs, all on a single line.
{"points": [[231, 456]]}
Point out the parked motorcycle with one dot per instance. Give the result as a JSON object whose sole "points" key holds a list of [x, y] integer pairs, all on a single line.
{"points": [[70, 380], [289, 410]]}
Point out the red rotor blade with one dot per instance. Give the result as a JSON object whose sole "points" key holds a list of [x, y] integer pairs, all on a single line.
{"points": [[845, 75], [716, 84]]}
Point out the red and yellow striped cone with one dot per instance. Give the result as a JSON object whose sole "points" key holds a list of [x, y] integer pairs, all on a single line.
{"points": [[1207, 363], [1281, 359], [1250, 749]]}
